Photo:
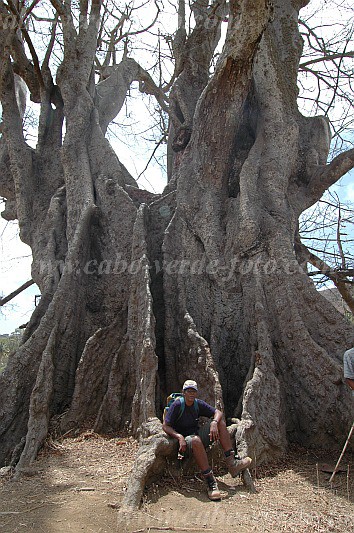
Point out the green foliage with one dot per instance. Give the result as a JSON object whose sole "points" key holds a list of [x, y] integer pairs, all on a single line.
{"points": [[8, 345]]}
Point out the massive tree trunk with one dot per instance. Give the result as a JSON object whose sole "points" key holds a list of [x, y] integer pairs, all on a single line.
{"points": [[139, 291]]}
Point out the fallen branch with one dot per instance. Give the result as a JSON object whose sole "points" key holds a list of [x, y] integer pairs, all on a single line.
{"points": [[170, 528]]}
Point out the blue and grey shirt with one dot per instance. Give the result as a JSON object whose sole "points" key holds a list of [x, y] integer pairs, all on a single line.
{"points": [[348, 364], [187, 424]]}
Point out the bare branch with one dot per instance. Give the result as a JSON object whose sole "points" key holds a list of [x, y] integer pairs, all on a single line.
{"points": [[83, 10], [92, 30], [111, 46], [58, 6], [326, 176], [34, 56], [12, 295], [345, 272], [339, 241], [163, 139], [69, 32], [22, 66], [51, 44], [337, 277], [29, 10], [326, 66], [329, 57], [29, 43]]}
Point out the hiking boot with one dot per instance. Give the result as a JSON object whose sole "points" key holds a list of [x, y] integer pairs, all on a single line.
{"points": [[236, 466], [213, 489]]}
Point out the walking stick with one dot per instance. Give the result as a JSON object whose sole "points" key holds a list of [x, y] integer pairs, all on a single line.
{"points": [[343, 452]]}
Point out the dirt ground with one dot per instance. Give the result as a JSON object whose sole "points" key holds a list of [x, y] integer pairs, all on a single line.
{"points": [[77, 484]]}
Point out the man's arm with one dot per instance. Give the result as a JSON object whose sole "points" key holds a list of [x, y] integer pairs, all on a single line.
{"points": [[217, 416], [350, 383], [172, 433], [214, 430]]}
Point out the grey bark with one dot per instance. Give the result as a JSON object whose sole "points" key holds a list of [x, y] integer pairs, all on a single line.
{"points": [[200, 282]]}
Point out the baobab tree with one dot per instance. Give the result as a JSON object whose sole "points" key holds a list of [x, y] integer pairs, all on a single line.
{"points": [[140, 291]]}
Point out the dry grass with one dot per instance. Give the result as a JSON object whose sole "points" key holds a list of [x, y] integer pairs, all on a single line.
{"points": [[75, 481]]}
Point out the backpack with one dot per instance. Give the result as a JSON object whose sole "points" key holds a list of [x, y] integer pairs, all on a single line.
{"points": [[171, 398]]}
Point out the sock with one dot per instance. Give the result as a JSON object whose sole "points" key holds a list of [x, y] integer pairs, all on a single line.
{"points": [[207, 472]]}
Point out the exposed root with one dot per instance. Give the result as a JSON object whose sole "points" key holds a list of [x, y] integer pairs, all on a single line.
{"points": [[150, 462], [39, 407]]}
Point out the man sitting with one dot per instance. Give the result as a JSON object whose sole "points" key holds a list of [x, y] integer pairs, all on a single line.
{"points": [[184, 427]]}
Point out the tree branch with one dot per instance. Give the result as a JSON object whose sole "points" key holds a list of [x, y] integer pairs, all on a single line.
{"points": [[338, 278], [29, 10], [28, 42], [37, 68], [22, 66], [151, 157], [49, 50], [69, 31], [118, 83], [12, 295], [339, 240], [329, 57], [326, 176], [111, 45], [83, 10], [231, 81], [58, 6], [342, 272]]}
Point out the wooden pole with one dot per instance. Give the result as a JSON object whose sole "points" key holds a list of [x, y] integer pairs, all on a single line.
{"points": [[343, 452]]}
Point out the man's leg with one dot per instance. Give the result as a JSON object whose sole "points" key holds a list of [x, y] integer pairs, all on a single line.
{"points": [[203, 463], [234, 466], [200, 453], [224, 436]]}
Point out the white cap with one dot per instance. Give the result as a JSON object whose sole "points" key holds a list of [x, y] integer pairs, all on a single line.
{"points": [[190, 384]]}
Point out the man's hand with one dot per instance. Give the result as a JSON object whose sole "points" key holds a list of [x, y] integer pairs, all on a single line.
{"points": [[214, 431], [182, 444], [172, 433]]}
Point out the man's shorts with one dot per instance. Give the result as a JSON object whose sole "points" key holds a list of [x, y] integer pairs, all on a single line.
{"points": [[203, 433]]}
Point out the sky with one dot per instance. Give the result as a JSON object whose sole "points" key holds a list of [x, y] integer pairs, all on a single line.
{"points": [[15, 256], [15, 269]]}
